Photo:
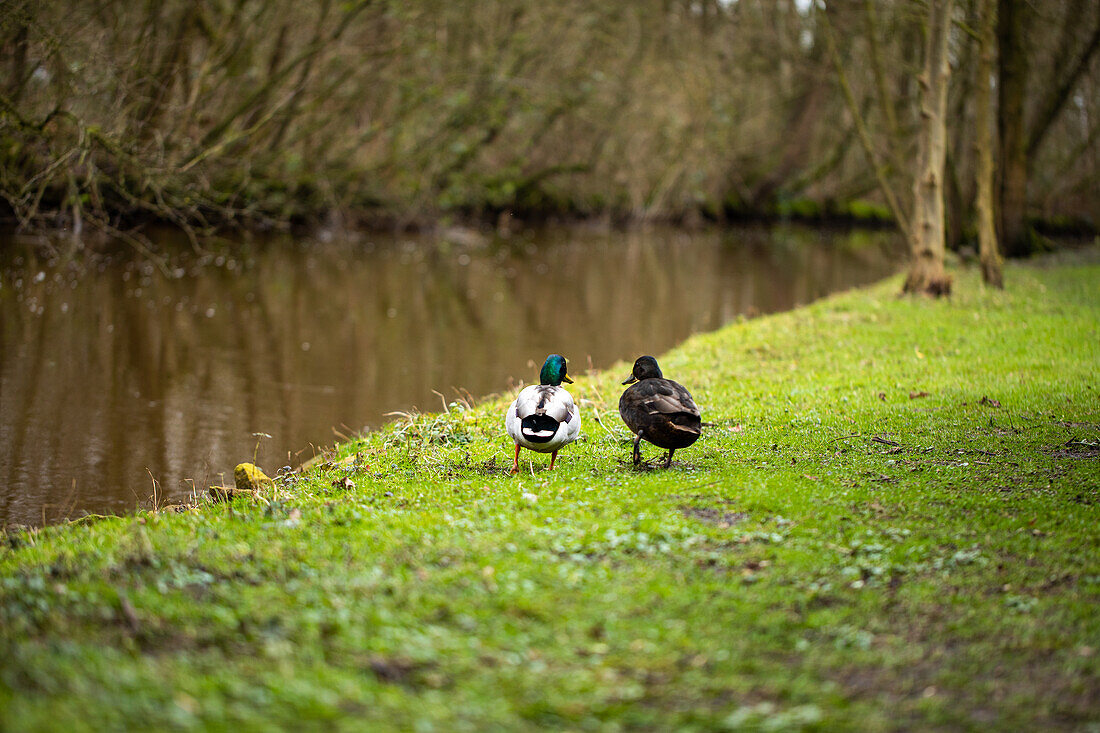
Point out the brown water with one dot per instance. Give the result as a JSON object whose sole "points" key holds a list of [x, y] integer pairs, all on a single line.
{"points": [[113, 374]]}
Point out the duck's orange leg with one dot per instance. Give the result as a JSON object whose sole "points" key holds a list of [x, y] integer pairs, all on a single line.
{"points": [[553, 456], [515, 462]]}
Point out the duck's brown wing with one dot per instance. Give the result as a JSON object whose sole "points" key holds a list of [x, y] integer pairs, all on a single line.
{"points": [[668, 397], [662, 412]]}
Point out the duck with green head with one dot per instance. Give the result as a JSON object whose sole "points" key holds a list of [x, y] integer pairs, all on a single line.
{"points": [[543, 417], [658, 410]]}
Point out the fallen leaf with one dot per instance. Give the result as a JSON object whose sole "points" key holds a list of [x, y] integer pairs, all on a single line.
{"points": [[812, 478], [917, 395], [882, 396], [988, 402]]}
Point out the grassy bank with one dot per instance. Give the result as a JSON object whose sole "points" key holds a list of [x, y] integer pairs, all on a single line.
{"points": [[893, 524]]}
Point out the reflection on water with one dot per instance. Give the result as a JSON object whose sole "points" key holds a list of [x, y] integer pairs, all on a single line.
{"points": [[115, 375]]}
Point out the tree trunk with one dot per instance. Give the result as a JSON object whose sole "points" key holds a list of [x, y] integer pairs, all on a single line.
{"points": [[1011, 93], [983, 147], [926, 233]]}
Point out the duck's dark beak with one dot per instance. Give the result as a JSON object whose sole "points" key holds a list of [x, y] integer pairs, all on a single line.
{"points": [[631, 379], [566, 379]]}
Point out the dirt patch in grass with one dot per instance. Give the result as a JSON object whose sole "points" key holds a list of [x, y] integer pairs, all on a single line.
{"points": [[488, 467], [404, 672], [1065, 424], [713, 516], [1077, 449], [1067, 702]]}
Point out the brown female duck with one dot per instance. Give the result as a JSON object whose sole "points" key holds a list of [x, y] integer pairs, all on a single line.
{"points": [[658, 410]]}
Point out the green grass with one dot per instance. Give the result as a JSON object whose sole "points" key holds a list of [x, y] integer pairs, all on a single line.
{"points": [[833, 554]]}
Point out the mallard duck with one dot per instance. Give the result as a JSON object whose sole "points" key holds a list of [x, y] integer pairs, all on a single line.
{"points": [[658, 410], [543, 418]]}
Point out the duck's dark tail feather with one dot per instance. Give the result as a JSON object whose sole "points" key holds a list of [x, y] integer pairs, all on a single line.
{"points": [[539, 428], [684, 421]]}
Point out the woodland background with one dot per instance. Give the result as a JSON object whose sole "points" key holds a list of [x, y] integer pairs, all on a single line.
{"points": [[258, 113]]}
